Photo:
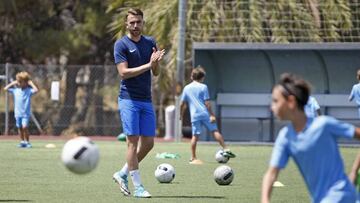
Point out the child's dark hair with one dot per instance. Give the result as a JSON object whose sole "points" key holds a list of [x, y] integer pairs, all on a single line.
{"points": [[358, 74], [198, 73], [294, 85]]}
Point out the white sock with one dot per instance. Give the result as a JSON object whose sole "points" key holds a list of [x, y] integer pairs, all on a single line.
{"points": [[125, 169], [135, 177]]}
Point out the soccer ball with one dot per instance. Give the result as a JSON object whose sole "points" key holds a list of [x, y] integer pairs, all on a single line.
{"points": [[165, 173], [219, 157], [223, 175], [80, 155]]}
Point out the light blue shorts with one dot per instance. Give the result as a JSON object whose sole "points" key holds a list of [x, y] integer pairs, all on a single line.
{"points": [[138, 118], [22, 122], [197, 126]]}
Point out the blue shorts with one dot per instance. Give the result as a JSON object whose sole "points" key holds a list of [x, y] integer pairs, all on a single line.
{"points": [[138, 118], [197, 126], [22, 122]]}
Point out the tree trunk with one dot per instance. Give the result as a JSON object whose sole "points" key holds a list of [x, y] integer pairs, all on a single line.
{"points": [[68, 109]]}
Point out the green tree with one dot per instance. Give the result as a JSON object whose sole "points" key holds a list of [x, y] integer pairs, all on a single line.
{"points": [[40, 29], [67, 32], [278, 21], [248, 21]]}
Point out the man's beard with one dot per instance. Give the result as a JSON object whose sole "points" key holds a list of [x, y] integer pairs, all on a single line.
{"points": [[135, 33]]}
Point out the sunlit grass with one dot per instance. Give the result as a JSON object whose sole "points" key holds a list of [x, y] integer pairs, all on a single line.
{"points": [[37, 175]]}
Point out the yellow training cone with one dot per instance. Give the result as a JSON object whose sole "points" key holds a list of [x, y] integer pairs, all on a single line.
{"points": [[278, 184]]}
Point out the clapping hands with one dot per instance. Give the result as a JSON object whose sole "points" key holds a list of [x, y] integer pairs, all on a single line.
{"points": [[156, 56]]}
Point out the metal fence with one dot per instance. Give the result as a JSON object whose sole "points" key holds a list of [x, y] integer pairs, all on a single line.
{"points": [[87, 102]]}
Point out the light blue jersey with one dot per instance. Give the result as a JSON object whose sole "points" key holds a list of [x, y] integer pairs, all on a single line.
{"points": [[316, 153], [22, 101], [311, 107], [355, 94], [195, 94]]}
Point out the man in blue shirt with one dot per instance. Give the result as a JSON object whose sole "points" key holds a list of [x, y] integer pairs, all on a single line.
{"points": [[196, 96], [22, 89], [136, 57]]}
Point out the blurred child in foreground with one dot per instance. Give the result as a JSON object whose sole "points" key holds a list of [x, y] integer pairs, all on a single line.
{"points": [[311, 142]]}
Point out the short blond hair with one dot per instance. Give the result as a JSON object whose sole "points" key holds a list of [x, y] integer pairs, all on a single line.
{"points": [[23, 76]]}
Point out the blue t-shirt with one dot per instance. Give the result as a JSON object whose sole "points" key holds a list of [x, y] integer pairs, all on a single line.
{"points": [[195, 94], [311, 107], [355, 94], [135, 54], [316, 153], [22, 100]]}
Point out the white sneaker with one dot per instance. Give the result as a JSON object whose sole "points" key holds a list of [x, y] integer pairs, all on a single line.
{"points": [[141, 192], [123, 183]]}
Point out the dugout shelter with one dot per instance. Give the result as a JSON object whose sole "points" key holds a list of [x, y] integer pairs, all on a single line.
{"points": [[240, 77]]}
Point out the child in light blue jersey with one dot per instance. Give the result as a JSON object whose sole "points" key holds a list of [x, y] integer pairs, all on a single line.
{"points": [[311, 142], [312, 108], [355, 92], [196, 96], [22, 89]]}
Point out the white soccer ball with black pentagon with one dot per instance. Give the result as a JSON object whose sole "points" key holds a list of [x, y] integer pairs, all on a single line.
{"points": [[165, 173], [223, 175], [219, 157], [80, 155]]}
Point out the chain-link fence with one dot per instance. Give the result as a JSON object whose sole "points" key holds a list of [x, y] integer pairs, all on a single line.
{"points": [[87, 102]]}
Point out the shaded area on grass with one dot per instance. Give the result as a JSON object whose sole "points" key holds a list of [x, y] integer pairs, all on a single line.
{"points": [[190, 197]]}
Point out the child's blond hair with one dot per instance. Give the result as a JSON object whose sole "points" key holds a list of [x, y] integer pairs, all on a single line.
{"points": [[23, 76]]}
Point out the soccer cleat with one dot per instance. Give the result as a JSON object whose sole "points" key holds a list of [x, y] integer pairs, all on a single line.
{"points": [[28, 145], [228, 153], [123, 183], [22, 145], [141, 192], [195, 161]]}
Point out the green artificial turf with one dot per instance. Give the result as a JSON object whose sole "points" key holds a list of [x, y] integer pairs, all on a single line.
{"points": [[37, 175]]}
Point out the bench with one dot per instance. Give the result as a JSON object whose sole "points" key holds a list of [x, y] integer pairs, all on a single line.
{"points": [[338, 106], [257, 106], [245, 106]]}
